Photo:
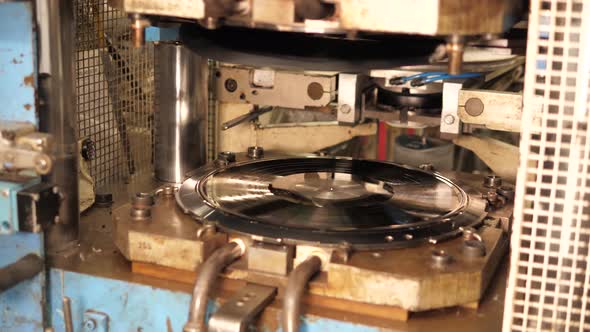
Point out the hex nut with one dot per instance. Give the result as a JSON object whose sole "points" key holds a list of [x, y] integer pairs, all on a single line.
{"points": [[255, 152]]}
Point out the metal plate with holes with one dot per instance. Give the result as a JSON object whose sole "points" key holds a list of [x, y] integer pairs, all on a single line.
{"points": [[276, 88], [327, 201], [238, 312]]}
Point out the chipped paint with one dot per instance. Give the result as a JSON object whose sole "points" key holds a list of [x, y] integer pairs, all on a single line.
{"points": [[17, 61], [28, 107], [29, 80]]}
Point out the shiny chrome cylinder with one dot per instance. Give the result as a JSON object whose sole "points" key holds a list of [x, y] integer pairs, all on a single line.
{"points": [[181, 79]]}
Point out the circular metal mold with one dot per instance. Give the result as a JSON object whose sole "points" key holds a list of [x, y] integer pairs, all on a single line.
{"points": [[327, 201]]}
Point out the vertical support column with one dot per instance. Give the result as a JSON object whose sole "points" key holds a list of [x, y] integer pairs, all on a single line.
{"points": [[181, 79], [59, 119]]}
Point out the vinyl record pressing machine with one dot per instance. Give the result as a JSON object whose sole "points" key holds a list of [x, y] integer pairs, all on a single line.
{"points": [[294, 165]]}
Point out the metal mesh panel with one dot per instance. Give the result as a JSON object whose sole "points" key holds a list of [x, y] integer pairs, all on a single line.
{"points": [[115, 91], [549, 281]]}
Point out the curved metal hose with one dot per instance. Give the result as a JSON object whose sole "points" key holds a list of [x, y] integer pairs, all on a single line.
{"points": [[209, 272], [298, 280]]}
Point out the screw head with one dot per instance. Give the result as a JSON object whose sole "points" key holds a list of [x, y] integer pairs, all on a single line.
{"points": [[231, 85], [449, 119], [345, 108], [89, 324], [255, 152]]}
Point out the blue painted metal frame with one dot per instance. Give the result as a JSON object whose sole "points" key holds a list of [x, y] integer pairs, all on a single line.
{"points": [[8, 205], [18, 62], [22, 307], [161, 34], [137, 307]]}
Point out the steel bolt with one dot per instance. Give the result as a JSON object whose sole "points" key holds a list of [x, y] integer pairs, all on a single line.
{"points": [[474, 248], [449, 119], [492, 181], [168, 190], [141, 206], [342, 252], [143, 200], [89, 325], [228, 156], [441, 258], [255, 152], [345, 109], [469, 233]]}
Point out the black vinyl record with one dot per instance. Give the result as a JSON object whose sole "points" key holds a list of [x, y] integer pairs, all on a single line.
{"points": [[330, 200]]}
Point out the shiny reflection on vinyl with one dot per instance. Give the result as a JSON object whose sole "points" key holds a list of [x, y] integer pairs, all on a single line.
{"points": [[329, 202], [332, 194]]}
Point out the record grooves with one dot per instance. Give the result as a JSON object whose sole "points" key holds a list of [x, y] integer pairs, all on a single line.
{"points": [[330, 200]]}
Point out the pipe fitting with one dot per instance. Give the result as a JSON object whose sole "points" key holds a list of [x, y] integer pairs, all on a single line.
{"points": [[209, 271], [298, 280]]}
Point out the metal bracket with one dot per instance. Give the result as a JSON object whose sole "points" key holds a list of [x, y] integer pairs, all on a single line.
{"points": [[349, 98], [21, 147], [274, 88], [239, 311], [95, 321], [449, 118], [497, 110]]}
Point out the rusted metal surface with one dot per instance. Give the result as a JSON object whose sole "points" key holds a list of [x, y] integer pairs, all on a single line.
{"points": [[168, 237]]}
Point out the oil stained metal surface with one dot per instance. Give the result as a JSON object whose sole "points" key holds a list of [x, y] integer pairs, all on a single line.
{"points": [[21, 307]]}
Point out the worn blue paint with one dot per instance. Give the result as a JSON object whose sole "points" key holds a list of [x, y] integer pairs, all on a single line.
{"points": [[8, 205], [161, 34], [136, 307], [18, 74], [21, 307], [130, 306], [330, 325], [94, 321]]}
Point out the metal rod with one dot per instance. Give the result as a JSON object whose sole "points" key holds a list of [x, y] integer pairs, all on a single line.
{"points": [[250, 116], [296, 285], [67, 308], [455, 47], [208, 273], [60, 121], [25, 268]]}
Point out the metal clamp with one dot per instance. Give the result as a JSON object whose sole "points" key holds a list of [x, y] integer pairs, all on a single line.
{"points": [[239, 311], [21, 147]]}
